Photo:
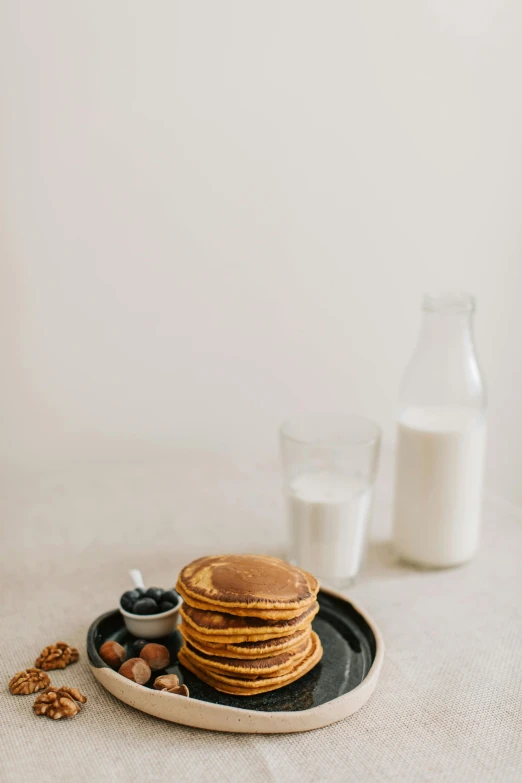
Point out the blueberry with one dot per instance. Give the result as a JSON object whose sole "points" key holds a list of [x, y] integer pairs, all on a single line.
{"points": [[128, 599], [166, 606], [140, 590], [156, 593], [137, 646], [171, 596], [145, 606]]}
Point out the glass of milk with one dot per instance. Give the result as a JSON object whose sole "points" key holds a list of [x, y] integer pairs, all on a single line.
{"points": [[441, 439], [329, 464]]}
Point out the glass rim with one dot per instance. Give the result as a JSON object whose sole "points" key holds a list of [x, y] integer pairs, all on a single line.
{"points": [[335, 422]]}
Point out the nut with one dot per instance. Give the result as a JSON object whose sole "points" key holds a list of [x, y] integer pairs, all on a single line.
{"points": [[113, 654], [170, 684], [57, 656], [59, 703], [137, 670], [156, 655], [28, 681], [166, 681], [181, 690]]}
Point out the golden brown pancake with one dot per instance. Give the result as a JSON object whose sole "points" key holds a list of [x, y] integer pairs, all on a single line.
{"points": [[261, 649], [263, 614], [247, 582], [222, 627], [250, 668], [241, 687], [227, 640]]}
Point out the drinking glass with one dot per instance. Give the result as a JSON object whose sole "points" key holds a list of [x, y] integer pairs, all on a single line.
{"points": [[329, 466]]}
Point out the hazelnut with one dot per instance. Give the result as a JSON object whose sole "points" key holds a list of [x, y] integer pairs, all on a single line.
{"points": [[137, 670], [156, 655], [181, 690], [113, 654], [166, 681]]}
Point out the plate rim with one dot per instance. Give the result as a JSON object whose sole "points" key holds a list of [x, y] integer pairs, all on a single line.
{"points": [[222, 717]]}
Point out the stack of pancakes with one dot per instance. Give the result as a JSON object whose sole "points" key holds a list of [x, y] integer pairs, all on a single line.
{"points": [[246, 622]]}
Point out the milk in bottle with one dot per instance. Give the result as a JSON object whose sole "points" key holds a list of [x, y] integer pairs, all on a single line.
{"points": [[441, 440]]}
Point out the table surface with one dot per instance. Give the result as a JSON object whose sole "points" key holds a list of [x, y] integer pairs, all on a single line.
{"points": [[448, 706]]}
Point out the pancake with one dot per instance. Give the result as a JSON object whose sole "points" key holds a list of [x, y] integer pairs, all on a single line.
{"points": [[221, 627], [239, 582], [263, 614], [216, 639], [250, 669], [261, 649], [241, 687]]}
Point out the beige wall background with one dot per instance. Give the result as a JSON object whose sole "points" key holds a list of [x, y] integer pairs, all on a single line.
{"points": [[217, 214]]}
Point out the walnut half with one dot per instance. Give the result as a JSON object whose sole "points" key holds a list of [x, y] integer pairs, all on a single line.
{"points": [[59, 703], [57, 656], [28, 681]]}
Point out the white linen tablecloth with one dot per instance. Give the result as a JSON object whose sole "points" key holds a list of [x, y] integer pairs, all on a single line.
{"points": [[448, 706]]}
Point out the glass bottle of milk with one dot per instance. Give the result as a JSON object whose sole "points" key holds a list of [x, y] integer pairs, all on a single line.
{"points": [[441, 440]]}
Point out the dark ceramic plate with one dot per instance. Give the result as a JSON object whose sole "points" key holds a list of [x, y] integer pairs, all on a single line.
{"points": [[350, 665]]}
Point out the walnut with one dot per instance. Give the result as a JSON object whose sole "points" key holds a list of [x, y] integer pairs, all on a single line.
{"points": [[57, 656], [170, 683], [29, 681], [59, 703]]}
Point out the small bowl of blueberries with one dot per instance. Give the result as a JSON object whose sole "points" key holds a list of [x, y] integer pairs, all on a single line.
{"points": [[150, 613]]}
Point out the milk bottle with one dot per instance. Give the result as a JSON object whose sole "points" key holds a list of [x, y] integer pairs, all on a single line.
{"points": [[441, 440]]}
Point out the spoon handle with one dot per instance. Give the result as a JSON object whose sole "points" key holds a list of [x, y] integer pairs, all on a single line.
{"points": [[135, 575]]}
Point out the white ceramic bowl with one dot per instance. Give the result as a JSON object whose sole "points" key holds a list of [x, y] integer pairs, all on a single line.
{"points": [[151, 626]]}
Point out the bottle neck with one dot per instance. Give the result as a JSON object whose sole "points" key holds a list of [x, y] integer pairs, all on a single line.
{"points": [[445, 334], [444, 370]]}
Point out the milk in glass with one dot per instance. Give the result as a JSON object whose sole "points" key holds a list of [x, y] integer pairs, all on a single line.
{"points": [[328, 516]]}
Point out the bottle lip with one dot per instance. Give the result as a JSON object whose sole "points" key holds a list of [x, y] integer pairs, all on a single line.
{"points": [[450, 302]]}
